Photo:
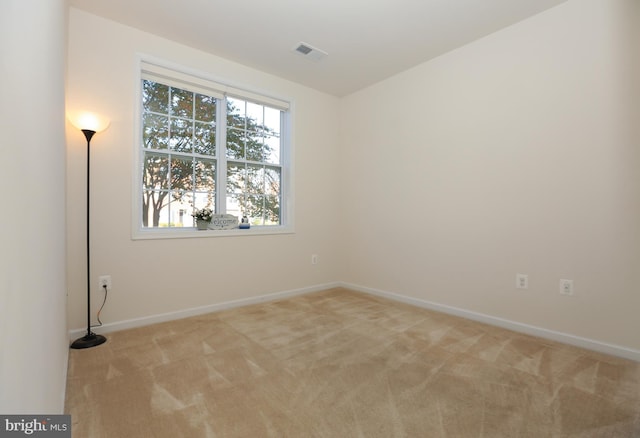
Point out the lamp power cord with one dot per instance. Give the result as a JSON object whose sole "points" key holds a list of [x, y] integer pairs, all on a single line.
{"points": [[99, 324]]}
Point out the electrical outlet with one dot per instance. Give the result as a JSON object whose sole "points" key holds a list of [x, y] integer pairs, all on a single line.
{"points": [[522, 281], [104, 280], [566, 287], [314, 259]]}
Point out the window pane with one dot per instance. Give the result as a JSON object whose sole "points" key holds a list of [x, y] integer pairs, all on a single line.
{"points": [[205, 175], [181, 133], [162, 219], [254, 147], [255, 180], [235, 144], [205, 139], [155, 97], [235, 205], [181, 103], [235, 178], [255, 209], [205, 108], [272, 120], [155, 131], [272, 181], [182, 174], [272, 210], [179, 212], [255, 116], [179, 199], [204, 199], [155, 174], [235, 113], [153, 202], [272, 150], [263, 210]]}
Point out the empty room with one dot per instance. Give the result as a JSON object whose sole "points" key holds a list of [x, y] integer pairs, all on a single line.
{"points": [[321, 219]]}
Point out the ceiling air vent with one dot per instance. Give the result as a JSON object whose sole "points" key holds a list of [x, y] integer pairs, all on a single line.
{"points": [[309, 52]]}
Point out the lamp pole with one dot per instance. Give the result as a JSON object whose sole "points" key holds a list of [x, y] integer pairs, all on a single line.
{"points": [[90, 339]]}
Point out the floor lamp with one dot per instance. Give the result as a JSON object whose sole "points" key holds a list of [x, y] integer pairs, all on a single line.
{"points": [[89, 124]]}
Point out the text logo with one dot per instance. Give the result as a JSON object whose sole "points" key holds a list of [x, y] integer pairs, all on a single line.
{"points": [[41, 426]]}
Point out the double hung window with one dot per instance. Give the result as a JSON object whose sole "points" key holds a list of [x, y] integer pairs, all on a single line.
{"points": [[204, 144]]}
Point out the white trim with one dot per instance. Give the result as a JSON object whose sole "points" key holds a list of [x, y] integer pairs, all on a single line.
{"points": [[189, 232], [194, 311], [565, 338], [136, 175], [287, 165]]}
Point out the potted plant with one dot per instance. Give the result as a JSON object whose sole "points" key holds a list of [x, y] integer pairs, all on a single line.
{"points": [[203, 217]]}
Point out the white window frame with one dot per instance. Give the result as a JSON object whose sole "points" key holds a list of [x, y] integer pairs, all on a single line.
{"points": [[210, 85]]}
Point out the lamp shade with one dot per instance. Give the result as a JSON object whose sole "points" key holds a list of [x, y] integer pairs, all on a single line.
{"points": [[89, 121]]}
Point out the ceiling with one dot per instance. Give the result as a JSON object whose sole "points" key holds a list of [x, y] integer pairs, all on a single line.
{"points": [[366, 40]]}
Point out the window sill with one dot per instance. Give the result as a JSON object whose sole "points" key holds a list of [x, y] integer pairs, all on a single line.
{"points": [[188, 233]]}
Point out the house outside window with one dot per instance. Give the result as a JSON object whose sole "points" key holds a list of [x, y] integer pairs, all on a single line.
{"points": [[204, 144]]}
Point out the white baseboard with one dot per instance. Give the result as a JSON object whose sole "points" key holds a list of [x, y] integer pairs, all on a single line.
{"points": [[614, 350], [185, 313], [565, 338]]}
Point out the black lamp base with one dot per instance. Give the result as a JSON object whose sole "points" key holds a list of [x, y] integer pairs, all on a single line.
{"points": [[89, 340]]}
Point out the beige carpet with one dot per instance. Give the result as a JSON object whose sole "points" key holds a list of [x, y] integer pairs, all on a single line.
{"points": [[344, 364]]}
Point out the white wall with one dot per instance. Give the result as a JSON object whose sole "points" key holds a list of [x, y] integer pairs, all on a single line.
{"points": [[152, 277], [33, 336], [513, 154]]}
